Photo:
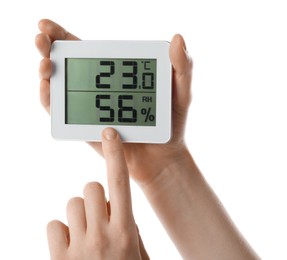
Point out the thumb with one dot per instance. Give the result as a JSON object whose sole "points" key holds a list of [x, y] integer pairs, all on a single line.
{"points": [[182, 77], [182, 70]]}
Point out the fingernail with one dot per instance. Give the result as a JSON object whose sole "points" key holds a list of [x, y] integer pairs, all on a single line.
{"points": [[110, 134]]}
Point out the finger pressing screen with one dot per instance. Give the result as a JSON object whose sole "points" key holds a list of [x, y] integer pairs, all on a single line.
{"points": [[118, 176]]}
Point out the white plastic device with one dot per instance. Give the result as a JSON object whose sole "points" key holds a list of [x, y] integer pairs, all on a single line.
{"points": [[121, 84]]}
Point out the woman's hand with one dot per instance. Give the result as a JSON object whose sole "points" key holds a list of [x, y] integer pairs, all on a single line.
{"points": [[138, 156], [99, 229]]}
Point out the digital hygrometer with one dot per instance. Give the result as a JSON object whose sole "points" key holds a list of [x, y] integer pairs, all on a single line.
{"points": [[121, 84]]}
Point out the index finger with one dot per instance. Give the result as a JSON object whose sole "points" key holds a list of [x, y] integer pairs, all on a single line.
{"points": [[118, 176], [55, 31], [50, 31]]}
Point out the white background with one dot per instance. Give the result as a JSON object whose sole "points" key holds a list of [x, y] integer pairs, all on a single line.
{"points": [[236, 127]]}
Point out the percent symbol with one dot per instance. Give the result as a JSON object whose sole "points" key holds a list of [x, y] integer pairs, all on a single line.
{"points": [[147, 114]]}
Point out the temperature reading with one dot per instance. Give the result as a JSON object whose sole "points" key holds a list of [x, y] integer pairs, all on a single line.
{"points": [[129, 74], [104, 91]]}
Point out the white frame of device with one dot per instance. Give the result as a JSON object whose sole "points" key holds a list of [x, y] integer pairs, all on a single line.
{"points": [[159, 50]]}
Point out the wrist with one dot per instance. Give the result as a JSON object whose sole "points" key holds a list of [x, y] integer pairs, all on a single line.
{"points": [[178, 168]]}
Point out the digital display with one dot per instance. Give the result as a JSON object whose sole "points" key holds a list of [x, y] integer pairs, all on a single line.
{"points": [[100, 91]]}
